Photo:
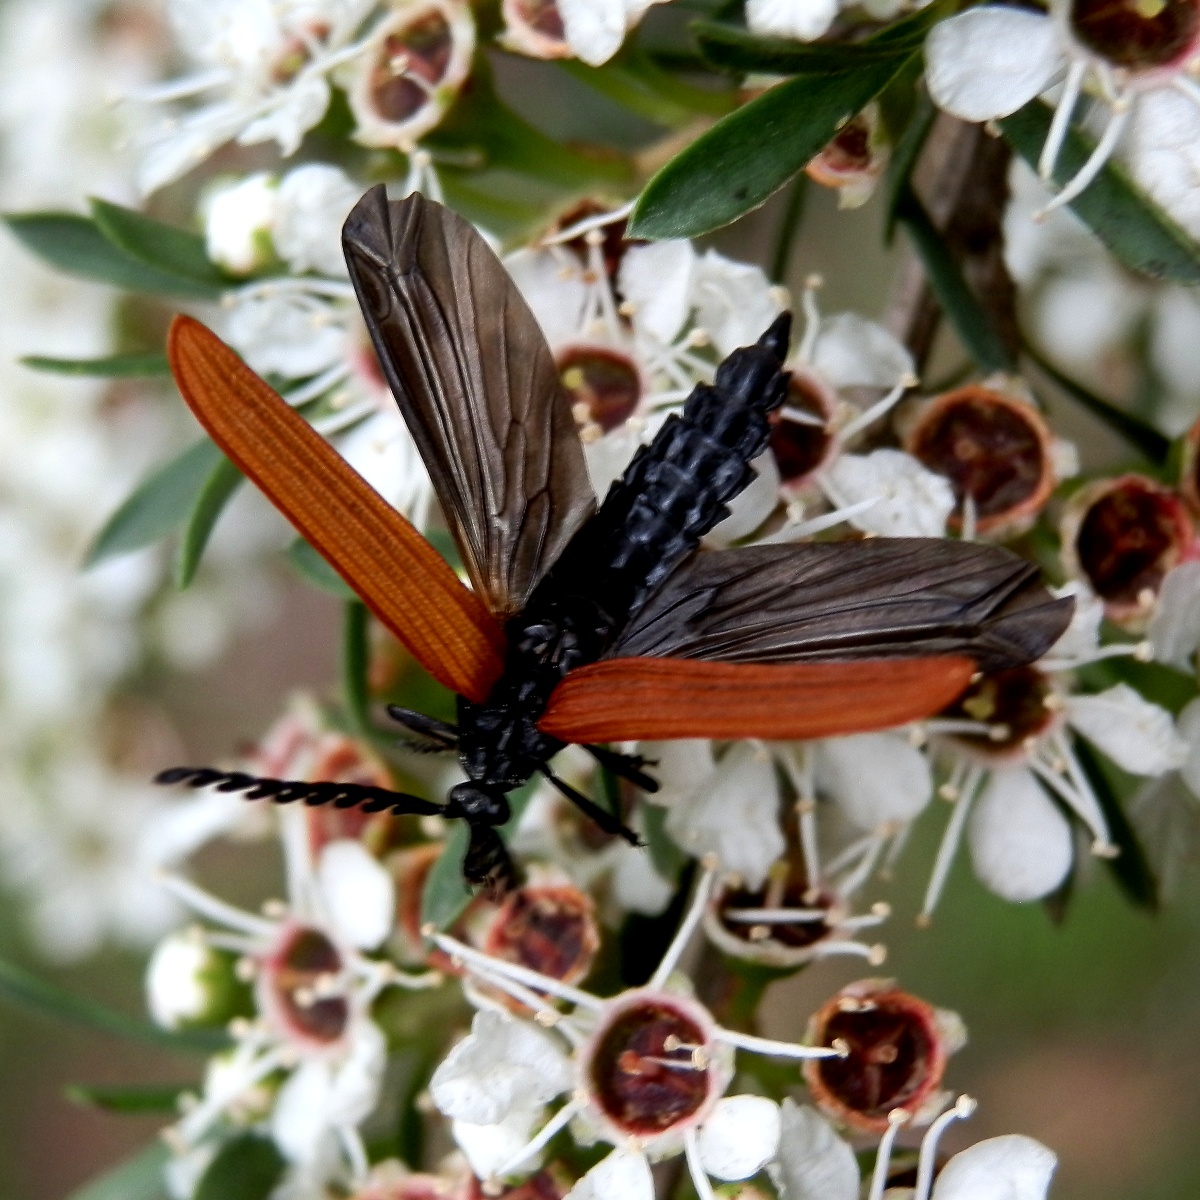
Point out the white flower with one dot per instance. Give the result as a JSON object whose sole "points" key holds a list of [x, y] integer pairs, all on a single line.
{"points": [[183, 981], [1138, 736], [313, 990], [805, 20], [1189, 730], [878, 780], [733, 815], [238, 220], [409, 71], [606, 1052], [265, 66], [591, 30], [990, 61], [313, 202], [813, 1162], [1162, 153], [910, 500]]}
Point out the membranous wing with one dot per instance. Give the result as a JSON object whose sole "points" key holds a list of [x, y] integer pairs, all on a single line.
{"points": [[839, 601], [478, 387]]}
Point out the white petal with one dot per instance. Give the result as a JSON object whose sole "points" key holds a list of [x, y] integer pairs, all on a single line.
{"points": [[1162, 148], [1012, 1167], [1138, 736], [854, 352], [637, 886], [734, 301], [682, 767], [238, 220], [750, 508], [381, 449], [1189, 730], [912, 501], [875, 778], [488, 1147], [595, 29], [358, 892], [656, 280], [1174, 629], [298, 1119], [1082, 635], [302, 107], [814, 1163], [553, 289], [356, 1081], [804, 20], [291, 334], [740, 1137], [314, 201], [1174, 336], [990, 61], [1021, 844], [735, 815], [503, 1064], [177, 991], [623, 1175]]}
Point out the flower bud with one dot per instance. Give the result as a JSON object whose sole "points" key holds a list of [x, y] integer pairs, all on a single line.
{"points": [[853, 160], [191, 984], [239, 219]]}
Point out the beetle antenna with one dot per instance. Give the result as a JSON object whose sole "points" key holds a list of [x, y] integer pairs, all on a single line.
{"points": [[286, 791]]}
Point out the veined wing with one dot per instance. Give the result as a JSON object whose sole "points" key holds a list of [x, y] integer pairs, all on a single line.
{"points": [[478, 386], [398, 574], [839, 601]]}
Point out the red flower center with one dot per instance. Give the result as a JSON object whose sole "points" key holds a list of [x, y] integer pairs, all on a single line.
{"points": [[795, 935], [298, 974], [549, 929], [643, 1070], [991, 448], [893, 1060], [1130, 537], [1137, 33], [410, 63], [605, 381], [799, 447], [542, 16], [1013, 701]]}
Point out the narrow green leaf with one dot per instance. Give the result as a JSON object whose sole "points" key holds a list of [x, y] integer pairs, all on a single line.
{"points": [[157, 505], [446, 895], [115, 366], [956, 298], [356, 665], [1131, 225], [246, 1168], [164, 247], [309, 564], [1131, 868], [665, 854], [19, 987], [137, 1178], [904, 157], [76, 245], [735, 48], [753, 152], [1154, 445], [223, 480], [135, 1099]]}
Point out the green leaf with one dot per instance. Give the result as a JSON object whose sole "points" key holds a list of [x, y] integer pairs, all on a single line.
{"points": [[665, 854], [1131, 868], [171, 250], [1132, 226], [19, 987], [1154, 445], [735, 48], [356, 665], [753, 152], [157, 505], [958, 302], [76, 245], [904, 157], [246, 1168], [129, 1098], [218, 488], [116, 366], [312, 567], [137, 1178], [446, 895]]}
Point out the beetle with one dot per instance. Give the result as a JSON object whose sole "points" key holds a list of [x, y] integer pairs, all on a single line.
{"points": [[590, 623]]}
